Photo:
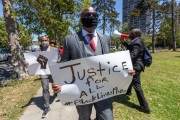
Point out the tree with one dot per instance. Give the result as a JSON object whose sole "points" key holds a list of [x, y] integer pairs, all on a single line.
{"points": [[3, 34], [25, 37], [107, 11], [76, 16], [165, 33], [19, 68], [164, 36], [46, 16], [177, 24], [157, 8], [172, 26]]}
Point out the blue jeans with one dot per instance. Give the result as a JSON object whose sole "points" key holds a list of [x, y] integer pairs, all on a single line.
{"points": [[103, 110]]}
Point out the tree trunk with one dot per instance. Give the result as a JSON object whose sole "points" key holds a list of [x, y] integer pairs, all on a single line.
{"points": [[17, 56], [153, 34], [172, 26], [104, 19]]}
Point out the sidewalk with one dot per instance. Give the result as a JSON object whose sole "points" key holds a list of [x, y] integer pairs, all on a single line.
{"points": [[58, 112]]}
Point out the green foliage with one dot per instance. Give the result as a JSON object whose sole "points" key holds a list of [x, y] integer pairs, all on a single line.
{"points": [[160, 84], [25, 37], [86, 3], [45, 16], [126, 28], [165, 33], [108, 14], [147, 40], [76, 16], [164, 37], [3, 34]]}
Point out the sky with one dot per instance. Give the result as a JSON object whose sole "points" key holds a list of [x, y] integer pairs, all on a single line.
{"points": [[118, 9]]}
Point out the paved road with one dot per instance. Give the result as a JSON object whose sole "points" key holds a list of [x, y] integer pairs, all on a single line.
{"points": [[58, 112], [6, 71]]}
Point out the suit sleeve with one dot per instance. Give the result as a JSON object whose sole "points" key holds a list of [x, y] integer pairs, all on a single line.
{"points": [[126, 45], [109, 44], [65, 55], [135, 51]]}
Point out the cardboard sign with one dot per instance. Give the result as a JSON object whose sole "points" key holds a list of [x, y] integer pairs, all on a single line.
{"points": [[92, 79], [39, 62]]}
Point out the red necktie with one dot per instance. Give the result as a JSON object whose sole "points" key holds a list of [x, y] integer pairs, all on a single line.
{"points": [[92, 43]]}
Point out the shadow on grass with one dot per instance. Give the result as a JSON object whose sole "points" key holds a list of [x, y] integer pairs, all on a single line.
{"points": [[124, 99], [39, 102], [37, 79]]}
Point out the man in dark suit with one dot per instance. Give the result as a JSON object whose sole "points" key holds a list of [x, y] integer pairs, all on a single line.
{"points": [[88, 42], [136, 48]]}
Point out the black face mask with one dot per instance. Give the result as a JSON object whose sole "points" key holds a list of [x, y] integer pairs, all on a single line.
{"points": [[89, 22]]}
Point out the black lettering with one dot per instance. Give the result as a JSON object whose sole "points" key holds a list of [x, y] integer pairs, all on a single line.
{"points": [[91, 72], [99, 96], [115, 90], [97, 87], [100, 69], [93, 98], [72, 70], [85, 102], [78, 101], [82, 76], [88, 81], [105, 79], [114, 68], [123, 65], [68, 103], [83, 93], [90, 90], [109, 68], [98, 81]]}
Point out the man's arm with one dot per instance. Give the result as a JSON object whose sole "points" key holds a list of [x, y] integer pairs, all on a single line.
{"points": [[65, 55], [124, 42]]}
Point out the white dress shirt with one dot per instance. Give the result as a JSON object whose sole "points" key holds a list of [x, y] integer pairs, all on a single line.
{"points": [[84, 33]]}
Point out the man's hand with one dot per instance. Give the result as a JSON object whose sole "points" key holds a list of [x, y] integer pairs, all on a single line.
{"points": [[123, 40], [26, 63], [132, 72], [56, 88]]}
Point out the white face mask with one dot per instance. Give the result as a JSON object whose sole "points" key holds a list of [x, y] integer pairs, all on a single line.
{"points": [[45, 44]]}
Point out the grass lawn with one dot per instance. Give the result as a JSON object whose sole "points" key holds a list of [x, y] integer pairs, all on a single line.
{"points": [[161, 86], [15, 95], [160, 82]]}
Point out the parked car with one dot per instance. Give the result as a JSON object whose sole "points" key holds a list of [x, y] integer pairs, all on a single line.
{"points": [[4, 54]]}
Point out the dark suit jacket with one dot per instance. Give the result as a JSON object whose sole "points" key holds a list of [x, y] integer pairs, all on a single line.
{"points": [[136, 49], [74, 46]]}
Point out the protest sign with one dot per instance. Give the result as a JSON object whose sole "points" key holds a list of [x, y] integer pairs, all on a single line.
{"points": [[39, 62], [92, 79]]}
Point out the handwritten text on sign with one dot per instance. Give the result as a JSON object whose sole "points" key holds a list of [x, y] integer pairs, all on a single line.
{"points": [[92, 79]]}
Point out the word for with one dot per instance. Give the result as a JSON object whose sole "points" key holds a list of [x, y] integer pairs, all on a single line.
{"points": [[97, 87]]}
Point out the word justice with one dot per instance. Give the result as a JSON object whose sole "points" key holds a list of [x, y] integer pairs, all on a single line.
{"points": [[91, 71]]}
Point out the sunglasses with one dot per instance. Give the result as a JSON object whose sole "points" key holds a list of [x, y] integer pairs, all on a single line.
{"points": [[90, 14]]}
